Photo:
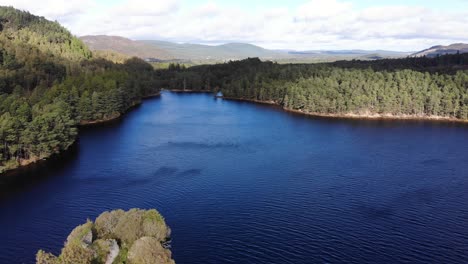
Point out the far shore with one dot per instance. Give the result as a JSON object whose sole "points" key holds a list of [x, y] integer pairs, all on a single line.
{"points": [[367, 116], [186, 91], [151, 95]]}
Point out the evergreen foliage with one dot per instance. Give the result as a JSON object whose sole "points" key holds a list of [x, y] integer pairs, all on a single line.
{"points": [[418, 87], [50, 83]]}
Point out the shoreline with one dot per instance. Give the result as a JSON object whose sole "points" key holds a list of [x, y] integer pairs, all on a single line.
{"points": [[348, 116], [13, 179], [151, 96], [100, 121], [353, 116], [250, 100], [117, 116], [186, 91], [24, 164]]}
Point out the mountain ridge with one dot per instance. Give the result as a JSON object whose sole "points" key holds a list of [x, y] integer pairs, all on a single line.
{"points": [[145, 49], [124, 46], [442, 50]]}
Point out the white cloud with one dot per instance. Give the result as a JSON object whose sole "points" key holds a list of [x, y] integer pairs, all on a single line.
{"points": [[207, 9], [322, 9], [52, 9], [391, 13], [316, 24], [145, 8]]}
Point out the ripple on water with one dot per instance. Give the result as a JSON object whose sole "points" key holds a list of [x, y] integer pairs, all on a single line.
{"points": [[239, 183]]}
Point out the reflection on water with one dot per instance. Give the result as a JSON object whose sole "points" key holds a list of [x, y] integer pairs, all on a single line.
{"points": [[19, 180]]}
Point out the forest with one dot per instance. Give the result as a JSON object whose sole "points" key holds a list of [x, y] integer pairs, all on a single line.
{"points": [[419, 87], [50, 82]]}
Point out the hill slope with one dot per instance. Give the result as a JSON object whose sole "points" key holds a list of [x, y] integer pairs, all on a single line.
{"points": [[126, 46], [442, 50], [49, 83], [164, 50], [230, 51], [22, 28]]}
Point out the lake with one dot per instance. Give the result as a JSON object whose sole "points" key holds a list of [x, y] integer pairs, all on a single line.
{"points": [[245, 183]]}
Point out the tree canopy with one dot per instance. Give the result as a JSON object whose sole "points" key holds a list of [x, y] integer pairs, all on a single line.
{"points": [[411, 86], [50, 82]]}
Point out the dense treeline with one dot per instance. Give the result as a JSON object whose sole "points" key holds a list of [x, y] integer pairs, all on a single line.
{"points": [[420, 87], [50, 82], [25, 29]]}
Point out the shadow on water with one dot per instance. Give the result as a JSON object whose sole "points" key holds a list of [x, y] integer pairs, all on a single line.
{"points": [[375, 212], [202, 145], [24, 178], [378, 122], [236, 180], [114, 123], [366, 122], [27, 177], [190, 172], [111, 123]]}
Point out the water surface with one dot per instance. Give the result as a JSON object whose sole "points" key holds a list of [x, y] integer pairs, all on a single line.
{"points": [[245, 183]]}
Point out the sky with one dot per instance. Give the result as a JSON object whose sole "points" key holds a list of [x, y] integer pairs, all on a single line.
{"points": [[402, 25]]}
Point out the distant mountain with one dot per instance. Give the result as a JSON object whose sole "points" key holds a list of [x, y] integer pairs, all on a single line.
{"points": [[442, 50], [163, 50], [352, 53], [230, 51], [156, 50], [125, 46]]}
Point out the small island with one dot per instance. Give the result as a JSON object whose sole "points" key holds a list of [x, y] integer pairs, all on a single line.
{"points": [[136, 236]]}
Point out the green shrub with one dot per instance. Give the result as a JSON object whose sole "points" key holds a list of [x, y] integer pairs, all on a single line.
{"points": [[148, 250], [102, 248], [138, 232], [46, 258], [122, 257], [81, 235], [128, 228], [153, 225], [75, 253], [106, 222]]}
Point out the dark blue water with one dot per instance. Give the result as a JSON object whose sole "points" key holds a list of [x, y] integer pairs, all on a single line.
{"points": [[244, 183]]}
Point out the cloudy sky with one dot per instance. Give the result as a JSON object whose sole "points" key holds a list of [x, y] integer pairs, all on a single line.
{"points": [[405, 25]]}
